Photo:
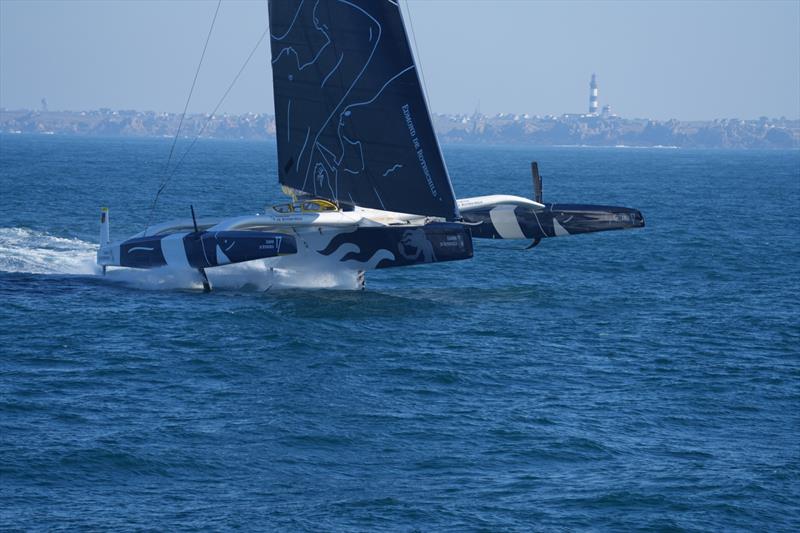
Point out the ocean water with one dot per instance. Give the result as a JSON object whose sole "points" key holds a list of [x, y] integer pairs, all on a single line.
{"points": [[639, 380]]}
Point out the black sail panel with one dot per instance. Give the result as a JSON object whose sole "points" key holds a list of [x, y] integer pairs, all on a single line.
{"points": [[351, 120]]}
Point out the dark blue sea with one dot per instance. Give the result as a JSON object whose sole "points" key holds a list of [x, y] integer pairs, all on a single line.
{"points": [[638, 380]]}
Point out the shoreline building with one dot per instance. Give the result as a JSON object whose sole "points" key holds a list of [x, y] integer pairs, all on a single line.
{"points": [[593, 102]]}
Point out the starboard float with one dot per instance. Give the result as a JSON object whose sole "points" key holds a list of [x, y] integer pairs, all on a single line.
{"points": [[358, 155]]}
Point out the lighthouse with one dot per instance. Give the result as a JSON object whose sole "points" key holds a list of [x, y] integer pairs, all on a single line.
{"points": [[593, 104]]}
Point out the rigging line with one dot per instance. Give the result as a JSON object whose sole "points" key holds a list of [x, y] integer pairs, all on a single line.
{"points": [[221, 100], [419, 59], [165, 178]]}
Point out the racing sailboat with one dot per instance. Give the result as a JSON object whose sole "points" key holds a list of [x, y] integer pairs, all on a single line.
{"points": [[359, 158]]}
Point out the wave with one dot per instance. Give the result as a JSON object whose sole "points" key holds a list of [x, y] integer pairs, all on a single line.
{"points": [[35, 252], [656, 146], [24, 250], [255, 276], [606, 146]]}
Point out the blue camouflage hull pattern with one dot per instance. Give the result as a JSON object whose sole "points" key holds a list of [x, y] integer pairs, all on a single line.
{"points": [[208, 249], [431, 243], [558, 219]]}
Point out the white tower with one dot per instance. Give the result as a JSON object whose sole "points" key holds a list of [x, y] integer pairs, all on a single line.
{"points": [[593, 104]]}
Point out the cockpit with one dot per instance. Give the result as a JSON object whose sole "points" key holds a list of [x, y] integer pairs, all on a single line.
{"points": [[317, 205]]}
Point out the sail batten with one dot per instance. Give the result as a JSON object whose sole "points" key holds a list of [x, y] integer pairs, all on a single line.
{"points": [[352, 123]]}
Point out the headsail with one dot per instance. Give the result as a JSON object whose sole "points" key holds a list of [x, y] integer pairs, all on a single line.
{"points": [[351, 120]]}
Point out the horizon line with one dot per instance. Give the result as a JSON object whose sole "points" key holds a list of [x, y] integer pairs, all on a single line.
{"points": [[526, 115]]}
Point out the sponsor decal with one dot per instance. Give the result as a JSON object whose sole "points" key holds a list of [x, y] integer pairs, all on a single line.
{"points": [[452, 241], [418, 147]]}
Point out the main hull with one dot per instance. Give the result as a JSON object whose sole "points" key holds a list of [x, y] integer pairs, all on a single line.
{"points": [[332, 241]]}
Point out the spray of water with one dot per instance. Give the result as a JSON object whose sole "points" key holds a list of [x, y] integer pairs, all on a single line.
{"points": [[36, 252]]}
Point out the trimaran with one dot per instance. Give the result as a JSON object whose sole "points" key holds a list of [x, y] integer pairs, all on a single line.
{"points": [[358, 155]]}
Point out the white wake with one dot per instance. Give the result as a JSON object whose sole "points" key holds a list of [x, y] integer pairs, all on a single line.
{"points": [[36, 252], [24, 250]]}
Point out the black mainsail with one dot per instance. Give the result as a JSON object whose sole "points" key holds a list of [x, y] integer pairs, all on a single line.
{"points": [[351, 119]]}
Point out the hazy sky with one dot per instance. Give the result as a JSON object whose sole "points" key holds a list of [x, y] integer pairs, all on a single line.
{"points": [[684, 60]]}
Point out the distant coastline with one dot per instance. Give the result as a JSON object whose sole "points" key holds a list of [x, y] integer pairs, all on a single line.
{"points": [[476, 128]]}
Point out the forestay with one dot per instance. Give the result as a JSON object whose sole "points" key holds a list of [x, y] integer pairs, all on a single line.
{"points": [[352, 123]]}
